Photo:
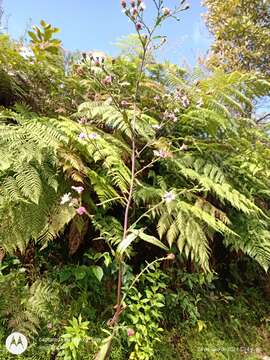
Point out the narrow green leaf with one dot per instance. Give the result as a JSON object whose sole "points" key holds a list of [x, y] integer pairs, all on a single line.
{"points": [[152, 240], [124, 244], [105, 349]]}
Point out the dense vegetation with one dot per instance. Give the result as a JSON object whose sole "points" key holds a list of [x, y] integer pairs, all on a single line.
{"points": [[134, 201]]}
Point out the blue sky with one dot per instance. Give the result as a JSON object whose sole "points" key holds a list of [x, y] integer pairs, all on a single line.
{"points": [[97, 24]]}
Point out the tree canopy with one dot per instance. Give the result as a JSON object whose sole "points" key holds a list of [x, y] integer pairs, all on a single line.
{"points": [[241, 31]]}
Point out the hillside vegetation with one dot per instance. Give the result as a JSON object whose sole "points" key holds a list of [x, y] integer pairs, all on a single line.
{"points": [[134, 202]]}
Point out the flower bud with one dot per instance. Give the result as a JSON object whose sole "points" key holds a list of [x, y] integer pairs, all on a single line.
{"points": [[135, 12], [139, 26], [141, 6], [166, 11], [123, 4], [132, 3]]}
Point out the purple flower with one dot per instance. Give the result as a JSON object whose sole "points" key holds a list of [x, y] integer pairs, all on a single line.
{"points": [[169, 196], [139, 26], [78, 189], [161, 153], [132, 3], [170, 116], [107, 80], [130, 332], [185, 101], [182, 97], [81, 210], [93, 136], [123, 4], [83, 136]]}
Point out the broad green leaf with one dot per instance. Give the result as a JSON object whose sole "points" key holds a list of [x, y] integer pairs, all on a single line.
{"points": [[97, 271], [80, 274]]}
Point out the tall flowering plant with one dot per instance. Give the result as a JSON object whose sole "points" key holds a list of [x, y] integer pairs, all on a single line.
{"points": [[135, 12]]}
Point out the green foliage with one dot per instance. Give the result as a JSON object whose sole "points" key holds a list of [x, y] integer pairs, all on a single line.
{"points": [[81, 273], [183, 299], [212, 192], [144, 314], [74, 339], [241, 332], [29, 182], [42, 39], [25, 307]]}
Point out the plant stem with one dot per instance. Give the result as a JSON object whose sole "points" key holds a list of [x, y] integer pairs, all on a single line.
{"points": [[131, 188], [146, 42]]}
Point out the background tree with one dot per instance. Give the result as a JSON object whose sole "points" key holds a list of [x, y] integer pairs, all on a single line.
{"points": [[241, 30]]}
